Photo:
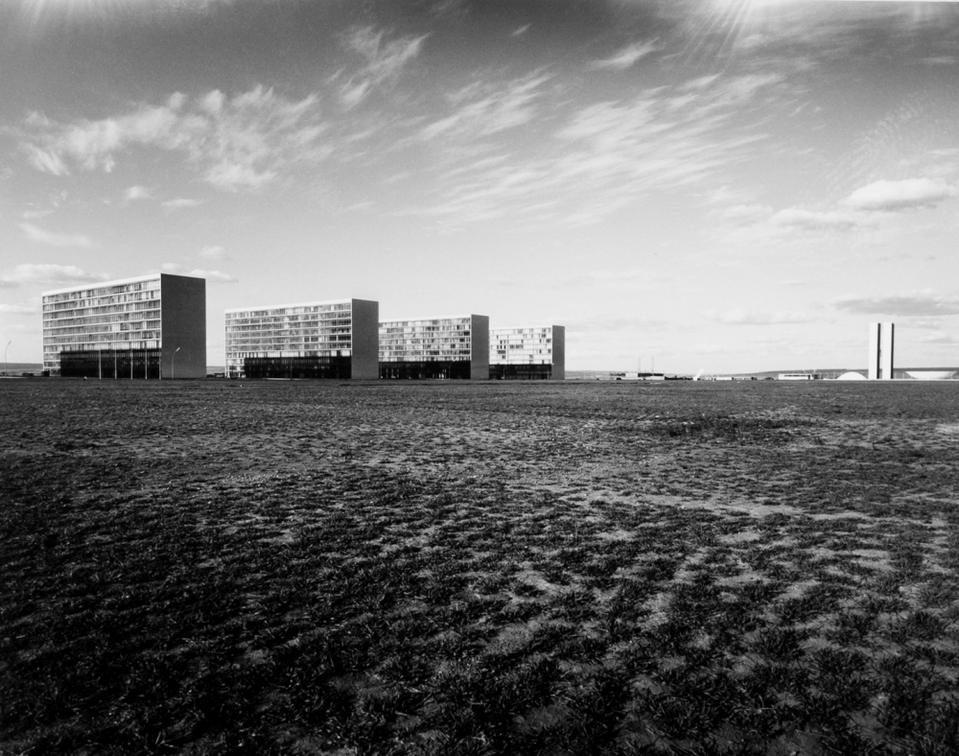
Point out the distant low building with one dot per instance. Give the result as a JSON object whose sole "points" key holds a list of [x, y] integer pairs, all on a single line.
{"points": [[454, 347], [151, 326], [331, 339], [528, 353]]}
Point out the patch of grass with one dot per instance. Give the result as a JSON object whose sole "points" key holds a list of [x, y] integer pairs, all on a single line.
{"points": [[478, 569]]}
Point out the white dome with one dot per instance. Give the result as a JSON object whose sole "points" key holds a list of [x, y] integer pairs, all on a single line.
{"points": [[931, 375], [852, 375]]}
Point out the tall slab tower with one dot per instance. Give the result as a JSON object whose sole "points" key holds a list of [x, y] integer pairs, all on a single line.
{"points": [[882, 338]]}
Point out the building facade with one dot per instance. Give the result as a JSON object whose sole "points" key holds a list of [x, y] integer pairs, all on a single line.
{"points": [[147, 327], [882, 338], [435, 348], [333, 339], [528, 353]]}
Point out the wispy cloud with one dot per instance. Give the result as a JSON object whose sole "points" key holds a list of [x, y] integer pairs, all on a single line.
{"points": [[626, 57], [598, 158], [240, 142], [213, 276], [15, 309], [49, 274], [889, 196], [180, 203], [384, 60], [485, 109], [213, 253], [37, 234], [742, 316], [137, 193], [923, 303], [813, 220], [45, 160]]}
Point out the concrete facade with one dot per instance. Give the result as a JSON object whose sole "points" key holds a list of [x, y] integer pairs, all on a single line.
{"points": [[146, 327], [881, 351], [455, 347], [528, 353], [331, 339]]}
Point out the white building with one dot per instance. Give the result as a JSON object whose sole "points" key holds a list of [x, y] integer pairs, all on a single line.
{"points": [[333, 339], [151, 326], [528, 352], [454, 347]]}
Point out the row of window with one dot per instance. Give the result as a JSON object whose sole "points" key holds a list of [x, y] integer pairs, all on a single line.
{"points": [[132, 317], [335, 318], [272, 332], [105, 291], [288, 312], [51, 351], [237, 358]]}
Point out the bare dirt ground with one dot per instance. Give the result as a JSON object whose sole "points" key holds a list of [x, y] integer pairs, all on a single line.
{"points": [[426, 568]]}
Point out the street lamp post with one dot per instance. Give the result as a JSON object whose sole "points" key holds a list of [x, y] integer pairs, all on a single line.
{"points": [[5, 356], [173, 364]]}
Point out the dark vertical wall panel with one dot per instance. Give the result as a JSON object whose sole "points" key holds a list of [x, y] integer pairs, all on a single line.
{"points": [[183, 316]]}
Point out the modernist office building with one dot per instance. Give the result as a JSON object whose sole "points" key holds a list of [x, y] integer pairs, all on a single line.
{"points": [[882, 338], [147, 327], [334, 339], [528, 353], [425, 348]]}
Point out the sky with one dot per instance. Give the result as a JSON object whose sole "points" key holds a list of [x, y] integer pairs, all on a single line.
{"points": [[732, 185]]}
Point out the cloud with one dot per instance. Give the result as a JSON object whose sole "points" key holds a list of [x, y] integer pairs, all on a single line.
{"points": [[745, 213], [213, 253], [137, 193], [240, 142], [37, 234], [181, 202], [45, 161], [485, 109], [924, 303], [742, 316], [626, 57], [605, 324], [384, 60], [213, 276], [938, 337], [811, 220], [890, 196], [598, 159], [49, 274], [13, 309]]}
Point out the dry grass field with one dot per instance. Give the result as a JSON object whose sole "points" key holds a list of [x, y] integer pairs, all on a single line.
{"points": [[386, 568]]}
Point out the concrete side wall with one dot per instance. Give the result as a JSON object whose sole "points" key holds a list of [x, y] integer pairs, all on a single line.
{"points": [[183, 326], [886, 348], [559, 353], [366, 339], [479, 348]]}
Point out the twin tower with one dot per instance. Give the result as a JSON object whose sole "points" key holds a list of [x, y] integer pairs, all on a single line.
{"points": [[882, 337]]}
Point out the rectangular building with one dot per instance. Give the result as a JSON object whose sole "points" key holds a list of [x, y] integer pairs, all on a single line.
{"points": [[429, 348], [146, 327], [528, 353], [333, 339], [881, 348]]}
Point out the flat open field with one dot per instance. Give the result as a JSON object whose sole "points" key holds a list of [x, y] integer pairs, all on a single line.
{"points": [[453, 568]]}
